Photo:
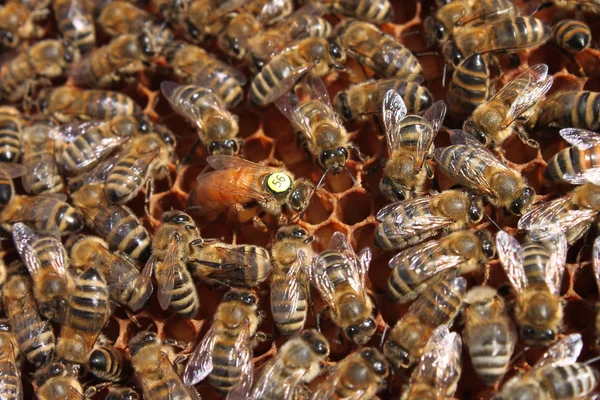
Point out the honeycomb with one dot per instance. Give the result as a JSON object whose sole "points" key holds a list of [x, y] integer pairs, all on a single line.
{"points": [[341, 205]]}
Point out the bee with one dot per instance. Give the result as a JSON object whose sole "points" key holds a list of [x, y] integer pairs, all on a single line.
{"points": [[470, 86], [297, 363], [42, 174], [313, 56], [8, 171], [47, 262], [17, 22], [576, 164], [61, 383], [360, 375], [571, 35], [341, 278], [11, 131], [439, 369], [572, 214], [116, 224], [596, 263], [154, 370], [171, 244], [33, 335], [106, 363], [122, 393], [255, 16], [239, 183], [225, 353], [217, 127], [376, 12], [579, 5], [472, 165], [413, 221], [11, 387], [322, 132], [414, 268], [535, 271], [290, 289], [489, 333], [376, 50], [203, 19], [66, 103], [556, 376], [438, 305], [75, 23], [195, 66], [495, 120], [126, 285], [505, 35], [567, 109], [409, 141], [365, 99]]}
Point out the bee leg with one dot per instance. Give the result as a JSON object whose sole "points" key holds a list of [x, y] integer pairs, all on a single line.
{"points": [[263, 337], [179, 344], [93, 391], [522, 134], [149, 192], [429, 171], [319, 316], [259, 224], [186, 160]]}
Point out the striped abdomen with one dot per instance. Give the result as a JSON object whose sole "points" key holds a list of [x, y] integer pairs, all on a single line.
{"points": [[218, 78], [75, 24], [518, 33], [469, 87], [335, 266], [462, 157], [567, 381], [490, 347], [49, 212], [88, 308], [126, 178], [225, 374], [373, 11], [582, 110], [10, 380], [168, 388], [288, 325], [535, 260], [271, 76], [413, 128], [38, 157], [390, 235], [184, 298], [10, 137], [84, 149], [19, 70], [404, 284], [572, 35], [106, 364], [443, 300], [572, 161], [308, 26], [391, 59], [106, 104]]}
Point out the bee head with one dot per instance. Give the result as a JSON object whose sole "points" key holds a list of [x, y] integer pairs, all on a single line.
{"points": [[397, 355], [362, 332], [487, 243], [536, 336], [523, 202], [452, 53], [291, 232], [435, 31], [7, 38], [376, 360], [142, 340], [342, 106], [317, 342], [229, 147], [337, 54], [333, 160], [471, 128], [300, 196], [394, 191], [476, 210]]}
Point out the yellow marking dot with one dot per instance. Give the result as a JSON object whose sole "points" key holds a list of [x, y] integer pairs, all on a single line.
{"points": [[279, 182]]}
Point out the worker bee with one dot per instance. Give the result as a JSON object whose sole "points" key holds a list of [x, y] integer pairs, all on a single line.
{"points": [[567, 109], [75, 23], [360, 375], [290, 288], [46, 259], [535, 271], [472, 165], [572, 214], [44, 59], [297, 363], [576, 164], [439, 369], [34, 336], [10, 374], [66, 103], [376, 12], [365, 99], [106, 362], [154, 370], [495, 120], [414, 268], [239, 183], [18, 21], [409, 141], [313, 56], [116, 224], [341, 278], [125, 283], [225, 353], [572, 35], [42, 174], [555, 376], [470, 86], [489, 333], [61, 383], [11, 130], [202, 19], [413, 221], [217, 127], [578, 5], [376, 50], [122, 393], [439, 304]]}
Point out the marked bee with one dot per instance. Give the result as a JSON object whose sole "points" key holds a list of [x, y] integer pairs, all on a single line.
{"points": [[43, 175], [75, 23]]}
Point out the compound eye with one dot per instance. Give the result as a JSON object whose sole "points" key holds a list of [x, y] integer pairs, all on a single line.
{"points": [[474, 214]]}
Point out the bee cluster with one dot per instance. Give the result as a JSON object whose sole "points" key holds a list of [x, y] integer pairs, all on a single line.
{"points": [[168, 233]]}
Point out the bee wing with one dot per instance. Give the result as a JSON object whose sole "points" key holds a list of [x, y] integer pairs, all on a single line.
{"points": [[78, 72], [358, 265], [200, 363], [421, 218], [580, 138], [320, 280], [208, 74], [287, 104], [24, 238], [229, 162], [69, 132], [564, 351], [316, 90], [271, 10], [181, 105], [438, 291], [101, 171], [165, 273], [234, 258], [591, 175], [511, 255], [287, 296], [435, 114], [225, 7], [556, 264], [243, 349], [39, 170], [326, 390], [285, 387], [286, 83], [596, 258], [139, 168], [524, 91], [486, 13], [394, 111], [12, 170], [364, 261]]}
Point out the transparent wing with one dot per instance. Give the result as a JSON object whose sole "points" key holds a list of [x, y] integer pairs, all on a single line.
{"points": [[564, 351], [511, 256], [225, 7], [394, 111], [319, 278], [166, 272], [326, 390], [438, 291], [287, 296], [24, 239], [41, 169], [357, 267], [555, 268], [364, 260], [412, 217], [553, 216], [12, 170], [288, 105], [580, 138], [179, 103], [69, 132], [591, 175], [316, 90], [137, 171], [200, 363], [233, 258], [285, 387], [286, 83], [243, 348], [435, 114]]}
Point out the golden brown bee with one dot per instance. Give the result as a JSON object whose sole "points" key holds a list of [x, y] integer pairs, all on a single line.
{"points": [[438, 305], [592, 7], [360, 375], [47, 262], [225, 353], [373, 11], [469, 88], [572, 214], [116, 224], [17, 22], [410, 142], [313, 56], [75, 23], [11, 130], [239, 183], [9, 171], [535, 271], [376, 50], [61, 383], [413, 221], [106, 363], [469, 163], [122, 393], [576, 164], [297, 363], [290, 288], [489, 333], [203, 19], [44, 59], [340, 275], [42, 174], [572, 35], [11, 387], [217, 127], [126, 285], [171, 244], [567, 109], [556, 376], [34, 336], [154, 370], [495, 120], [438, 371], [414, 268]]}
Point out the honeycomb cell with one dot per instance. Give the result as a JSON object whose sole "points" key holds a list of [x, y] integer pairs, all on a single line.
{"points": [[354, 207], [324, 233], [258, 149], [179, 329], [320, 209]]}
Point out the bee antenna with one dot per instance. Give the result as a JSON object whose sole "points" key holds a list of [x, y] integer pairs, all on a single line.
{"points": [[383, 336], [191, 208], [444, 74], [492, 221], [411, 33], [592, 360], [351, 176]]}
